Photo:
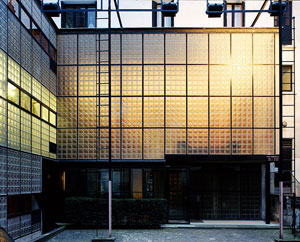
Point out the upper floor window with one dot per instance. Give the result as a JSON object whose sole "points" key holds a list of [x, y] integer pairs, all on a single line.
{"points": [[234, 19], [287, 32], [79, 19]]}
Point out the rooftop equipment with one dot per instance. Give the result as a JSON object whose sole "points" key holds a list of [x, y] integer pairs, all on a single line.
{"points": [[52, 9], [169, 9], [214, 10], [274, 8]]}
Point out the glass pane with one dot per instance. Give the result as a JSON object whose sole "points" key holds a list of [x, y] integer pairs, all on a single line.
{"points": [[13, 71], [197, 141], [220, 80], [197, 48], [198, 80], [241, 112], [36, 108], [219, 48], [132, 80], [264, 142], [241, 45], [263, 48], [153, 48], [52, 118], [241, 81], [131, 112], [264, 112], [220, 112], [13, 93], [176, 80], [132, 143], [242, 141], [286, 78], [175, 141], [25, 101], [220, 141], [176, 112], [3, 74], [153, 144], [176, 48], [197, 112], [153, 111], [45, 113], [263, 80], [154, 80], [25, 80], [25, 19]]}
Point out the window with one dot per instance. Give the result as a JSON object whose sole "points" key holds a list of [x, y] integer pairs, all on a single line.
{"points": [[52, 118], [36, 108], [36, 32], [25, 101], [13, 5], [287, 78], [45, 114], [80, 19], [25, 19], [234, 19], [13, 93], [45, 43]]}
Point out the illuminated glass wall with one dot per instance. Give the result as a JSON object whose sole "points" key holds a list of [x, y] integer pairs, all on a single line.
{"points": [[199, 92]]}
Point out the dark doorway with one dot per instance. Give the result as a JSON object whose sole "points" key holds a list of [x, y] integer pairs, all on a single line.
{"points": [[178, 196], [221, 191]]}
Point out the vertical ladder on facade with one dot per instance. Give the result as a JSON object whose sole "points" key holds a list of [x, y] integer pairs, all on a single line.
{"points": [[289, 125], [103, 109]]}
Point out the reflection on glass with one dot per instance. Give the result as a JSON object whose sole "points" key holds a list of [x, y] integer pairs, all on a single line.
{"points": [[25, 101], [13, 93], [25, 19], [13, 6], [45, 113], [287, 78], [36, 108]]}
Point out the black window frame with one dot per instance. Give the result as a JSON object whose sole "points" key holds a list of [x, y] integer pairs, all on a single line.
{"points": [[233, 5]]}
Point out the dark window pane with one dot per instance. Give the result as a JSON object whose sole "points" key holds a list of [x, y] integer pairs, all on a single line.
{"points": [[45, 43], [36, 32], [25, 101], [286, 78], [14, 6]]}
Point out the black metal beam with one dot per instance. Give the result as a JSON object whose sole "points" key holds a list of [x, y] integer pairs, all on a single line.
{"points": [[259, 13]]}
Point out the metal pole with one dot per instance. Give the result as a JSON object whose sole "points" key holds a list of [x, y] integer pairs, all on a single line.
{"points": [[281, 210], [109, 130]]}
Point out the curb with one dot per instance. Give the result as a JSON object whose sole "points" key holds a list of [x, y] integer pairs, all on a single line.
{"points": [[49, 235]]}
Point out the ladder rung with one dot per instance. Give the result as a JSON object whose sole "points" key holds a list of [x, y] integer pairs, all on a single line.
{"points": [[101, 50], [288, 105], [101, 72]]}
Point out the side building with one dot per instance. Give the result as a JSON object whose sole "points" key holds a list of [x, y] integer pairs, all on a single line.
{"points": [[27, 113]]}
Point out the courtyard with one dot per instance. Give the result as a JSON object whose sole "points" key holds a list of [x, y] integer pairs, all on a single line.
{"points": [[174, 234]]}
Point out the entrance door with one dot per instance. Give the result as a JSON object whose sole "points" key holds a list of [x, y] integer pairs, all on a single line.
{"points": [[178, 196]]}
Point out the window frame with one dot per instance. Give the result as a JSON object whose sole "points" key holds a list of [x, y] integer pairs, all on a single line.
{"points": [[233, 5]]}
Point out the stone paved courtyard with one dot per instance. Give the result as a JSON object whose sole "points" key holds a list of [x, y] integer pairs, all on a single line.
{"points": [[174, 235]]}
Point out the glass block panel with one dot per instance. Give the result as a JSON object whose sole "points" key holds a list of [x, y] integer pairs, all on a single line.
{"points": [[53, 102], [52, 35], [176, 112], [3, 178], [176, 80], [25, 80], [3, 123], [241, 53], [241, 79], [103, 143], [13, 93], [132, 144], [242, 112], [153, 112], [26, 49], [53, 86], [219, 112], [87, 112], [219, 48], [154, 80], [3, 26], [263, 79], [3, 74], [242, 141], [175, 141], [25, 131], [36, 136], [36, 173], [25, 173], [116, 143], [45, 69], [25, 224], [197, 80], [36, 61], [263, 48], [67, 49], [36, 89], [219, 141], [197, 141], [66, 143], [175, 48], [153, 48], [45, 96], [3, 212], [67, 80], [115, 112], [13, 172], [13, 71], [87, 81], [132, 80], [53, 135], [154, 144], [264, 112], [131, 112], [264, 141], [36, 13], [13, 127], [131, 48], [197, 112], [219, 80], [67, 112], [45, 139], [14, 227], [87, 143], [45, 26], [14, 36], [27, 5], [87, 48], [197, 48]]}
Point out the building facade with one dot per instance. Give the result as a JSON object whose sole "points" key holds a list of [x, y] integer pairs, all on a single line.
{"points": [[195, 115]]}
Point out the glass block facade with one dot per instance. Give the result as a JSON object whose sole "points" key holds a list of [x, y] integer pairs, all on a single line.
{"points": [[202, 92], [27, 95]]}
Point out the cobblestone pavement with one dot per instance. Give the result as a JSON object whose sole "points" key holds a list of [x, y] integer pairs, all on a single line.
{"points": [[174, 235]]}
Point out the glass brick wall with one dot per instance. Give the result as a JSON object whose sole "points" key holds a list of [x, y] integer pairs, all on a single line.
{"points": [[197, 92], [27, 112]]}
